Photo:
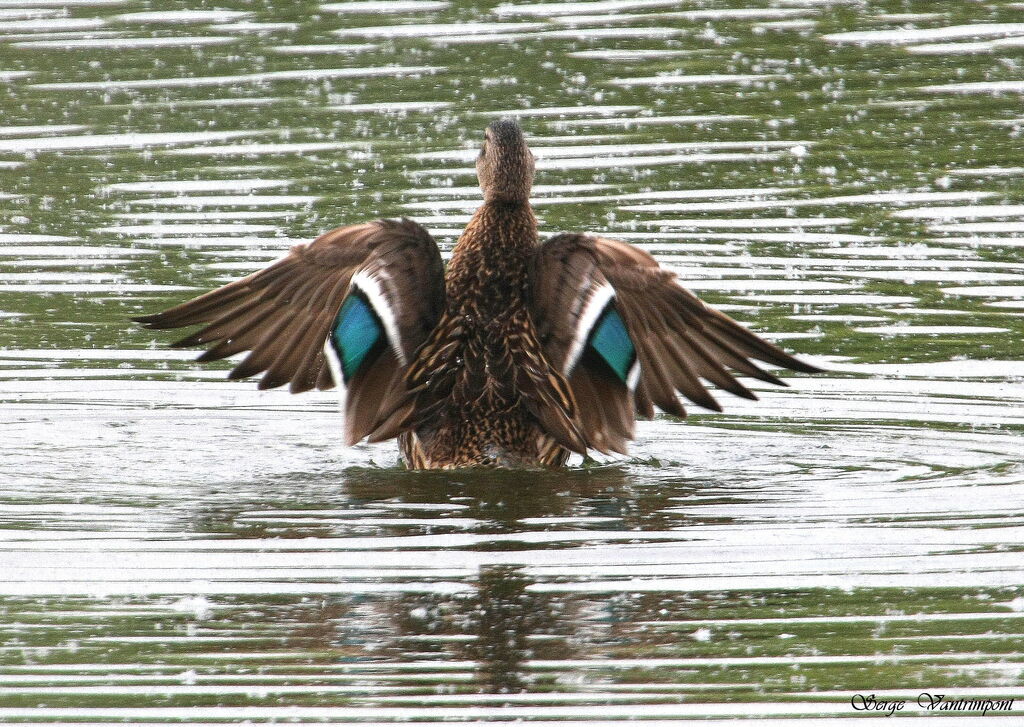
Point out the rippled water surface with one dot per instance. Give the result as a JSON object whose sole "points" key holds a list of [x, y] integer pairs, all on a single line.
{"points": [[844, 177]]}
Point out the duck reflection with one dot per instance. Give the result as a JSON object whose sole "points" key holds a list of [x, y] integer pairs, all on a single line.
{"points": [[499, 499], [460, 595], [502, 624], [513, 626]]}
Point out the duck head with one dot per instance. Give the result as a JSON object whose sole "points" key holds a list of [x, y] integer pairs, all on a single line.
{"points": [[505, 165]]}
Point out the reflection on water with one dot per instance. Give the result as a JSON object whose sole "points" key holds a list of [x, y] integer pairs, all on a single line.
{"points": [[844, 178]]}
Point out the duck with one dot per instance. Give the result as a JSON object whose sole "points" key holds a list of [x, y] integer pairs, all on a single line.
{"points": [[516, 354]]}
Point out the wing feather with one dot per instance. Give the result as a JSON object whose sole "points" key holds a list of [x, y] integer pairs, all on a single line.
{"points": [[283, 315], [678, 339]]}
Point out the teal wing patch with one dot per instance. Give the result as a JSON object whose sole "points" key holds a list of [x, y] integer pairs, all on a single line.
{"points": [[356, 333], [610, 340]]}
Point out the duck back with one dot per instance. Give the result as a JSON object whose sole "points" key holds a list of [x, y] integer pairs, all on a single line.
{"points": [[471, 410]]}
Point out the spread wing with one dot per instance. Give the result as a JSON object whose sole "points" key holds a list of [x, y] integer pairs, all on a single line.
{"points": [[351, 307], [629, 337]]}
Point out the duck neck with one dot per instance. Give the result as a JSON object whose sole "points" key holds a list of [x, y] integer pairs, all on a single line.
{"points": [[490, 261], [498, 230]]}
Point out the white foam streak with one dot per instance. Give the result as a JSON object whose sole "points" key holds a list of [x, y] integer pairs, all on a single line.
{"points": [[893, 198], [994, 291], [393, 107], [961, 212], [329, 48], [976, 227], [40, 129], [435, 30], [696, 16], [987, 171], [985, 46], [25, 13], [632, 121], [229, 200], [993, 87], [188, 41], [196, 185], [44, 25], [114, 141], [906, 330], [255, 149], [576, 8], [791, 223], [905, 36], [312, 74], [560, 111], [742, 79], [795, 237], [61, 3], [184, 229], [210, 215], [388, 6], [182, 16]]}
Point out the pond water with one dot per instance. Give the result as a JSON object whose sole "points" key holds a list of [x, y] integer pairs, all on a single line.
{"points": [[844, 177]]}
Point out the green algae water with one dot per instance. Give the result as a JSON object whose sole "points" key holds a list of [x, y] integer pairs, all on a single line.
{"points": [[846, 178]]}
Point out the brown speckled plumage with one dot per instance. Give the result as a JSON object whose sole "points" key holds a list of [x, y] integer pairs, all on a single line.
{"points": [[476, 374], [493, 362]]}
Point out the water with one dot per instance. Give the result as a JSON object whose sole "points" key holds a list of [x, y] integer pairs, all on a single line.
{"points": [[843, 177]]}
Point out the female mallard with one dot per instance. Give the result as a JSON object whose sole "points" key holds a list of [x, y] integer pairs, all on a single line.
{"points": [[519, 354]]}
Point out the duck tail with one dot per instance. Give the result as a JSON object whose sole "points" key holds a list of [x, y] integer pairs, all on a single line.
{"points": [[545, 391]]}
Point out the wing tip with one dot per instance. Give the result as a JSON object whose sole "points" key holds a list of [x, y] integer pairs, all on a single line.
{"points": [[152, 321], [675, 408], [805, 368], [788, 361], [242, 371], [186, 342], [269, 382], [300, 386], [713, 405], [208, 355]]}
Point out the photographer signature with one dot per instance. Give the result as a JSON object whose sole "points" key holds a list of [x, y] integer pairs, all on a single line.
{"points": [[932, 703]]}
